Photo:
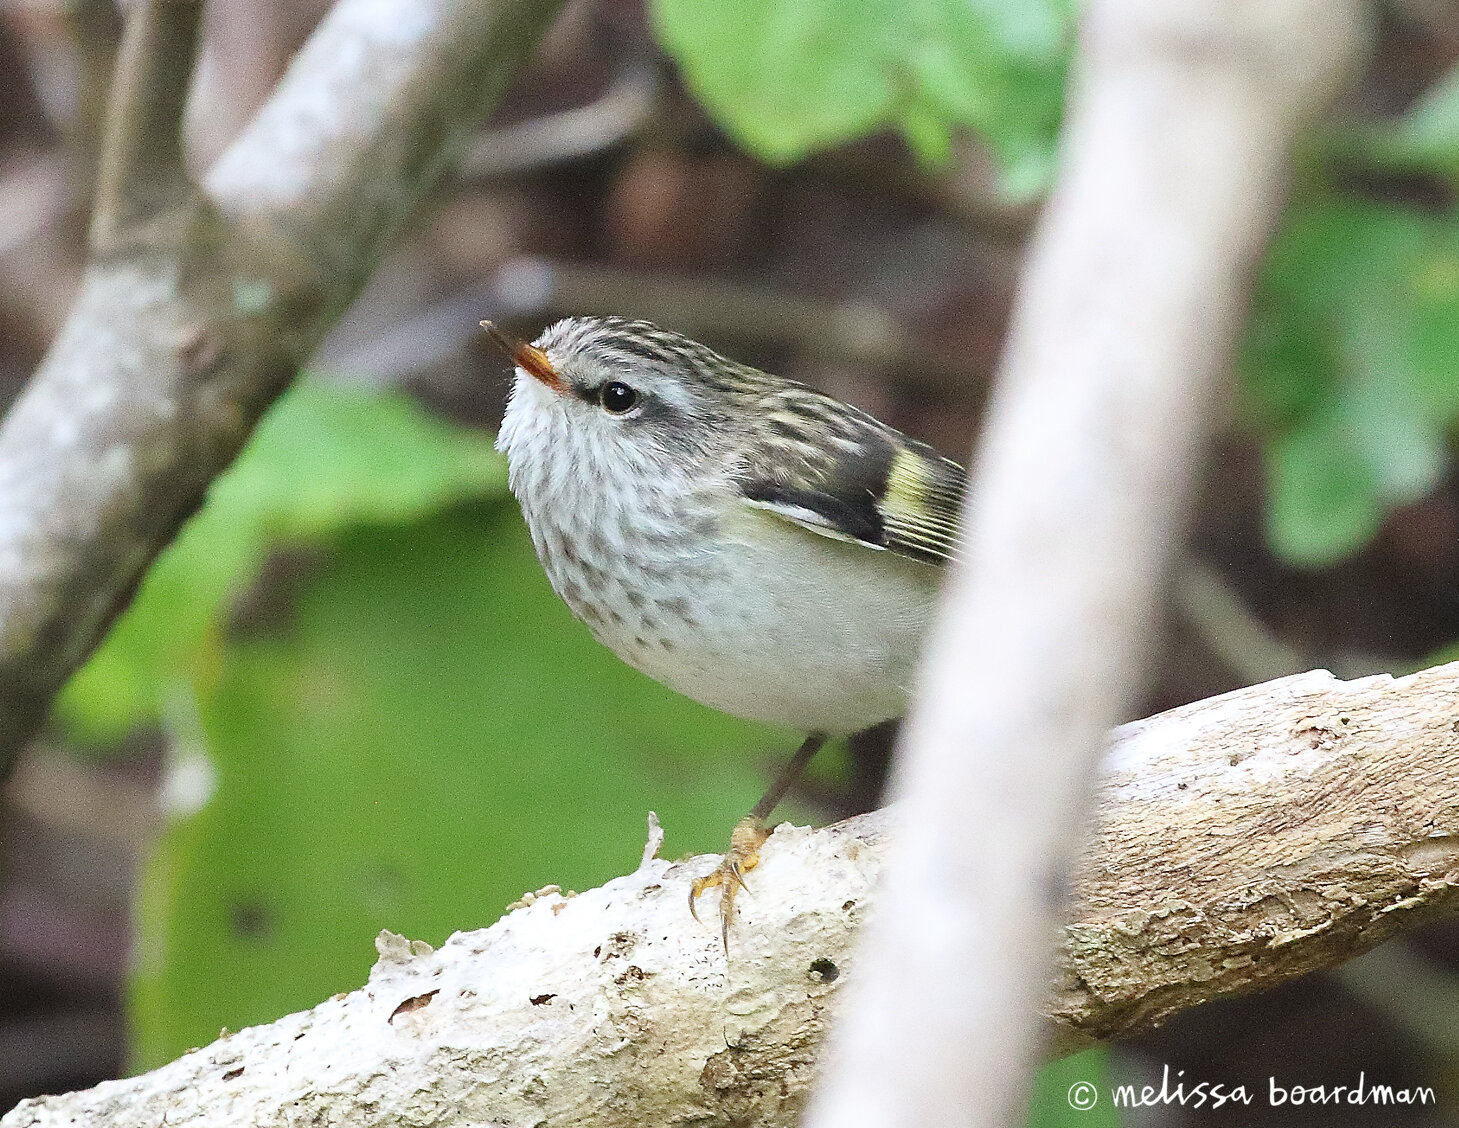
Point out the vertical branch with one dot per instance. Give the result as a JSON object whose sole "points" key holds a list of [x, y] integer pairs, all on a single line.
{"points": [[141, 172], [1181, 119], [95, 28]]}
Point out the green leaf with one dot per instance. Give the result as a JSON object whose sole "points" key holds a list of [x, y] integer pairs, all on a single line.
{"points": [[325, 458], [1352, 371], [1324, 502], [434, 735], [787, 77], [1425, 138], [1063, 1089]]}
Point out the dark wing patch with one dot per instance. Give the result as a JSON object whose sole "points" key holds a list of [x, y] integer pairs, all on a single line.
{"points": [[843, 474], [818, 511]]}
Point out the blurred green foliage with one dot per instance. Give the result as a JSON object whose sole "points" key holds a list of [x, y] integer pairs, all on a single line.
{"points": [[1352, 369], [1349, 369], [1350, 364], [1057, 1092], [325, 459], [429, 736], [1426, 139], [788, 78]]}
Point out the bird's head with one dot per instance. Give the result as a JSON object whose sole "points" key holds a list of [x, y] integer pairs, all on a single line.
{"points": [[609, 389]]}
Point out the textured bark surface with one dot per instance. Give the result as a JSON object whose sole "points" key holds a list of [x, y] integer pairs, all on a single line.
{"points": [[1260, 835], [1242, 841], [612, 1008]]}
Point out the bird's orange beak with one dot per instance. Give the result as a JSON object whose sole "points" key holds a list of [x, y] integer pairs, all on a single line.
{"points": [[529, 358]]}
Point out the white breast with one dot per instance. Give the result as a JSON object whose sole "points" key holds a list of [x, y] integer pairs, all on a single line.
{"points": [[734, 607]]}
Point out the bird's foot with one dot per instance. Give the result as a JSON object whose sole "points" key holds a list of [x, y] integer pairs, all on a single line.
{"points": [[742, 856]]}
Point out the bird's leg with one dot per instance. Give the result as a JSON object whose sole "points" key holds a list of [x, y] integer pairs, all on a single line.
{"points": [[747, 838]]}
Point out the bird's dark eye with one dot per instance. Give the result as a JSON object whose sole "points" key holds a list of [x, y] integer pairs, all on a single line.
{"points": [[617, 397]]}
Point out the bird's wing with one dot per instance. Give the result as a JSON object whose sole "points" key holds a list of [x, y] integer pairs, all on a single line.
{"points": [[843, 474]]}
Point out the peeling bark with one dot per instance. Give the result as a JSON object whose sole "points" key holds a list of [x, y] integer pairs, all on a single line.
{"points": [[1257, 836]]}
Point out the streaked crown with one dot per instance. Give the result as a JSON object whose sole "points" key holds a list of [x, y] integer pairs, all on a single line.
{"points": [[631, 406]]}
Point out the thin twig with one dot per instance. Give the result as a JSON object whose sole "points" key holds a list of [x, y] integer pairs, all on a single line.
{"points": [[567, 134], [96, 29], [141, 173], [1236, 636], [534, 291], [655, 841]]}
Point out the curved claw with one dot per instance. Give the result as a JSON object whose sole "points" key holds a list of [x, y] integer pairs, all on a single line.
{"points": [[742, 856], [696, 890]]}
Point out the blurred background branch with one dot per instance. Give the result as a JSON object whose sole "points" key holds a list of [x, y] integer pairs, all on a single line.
{"points": [[1182, 120], [567, 134], [197, 307], [140, 175]]}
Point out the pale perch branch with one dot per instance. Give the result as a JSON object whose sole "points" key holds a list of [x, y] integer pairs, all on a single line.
{"points": [[1242, 841]]}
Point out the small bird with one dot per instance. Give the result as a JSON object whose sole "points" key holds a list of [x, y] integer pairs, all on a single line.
{"points": [[747, 541]]}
